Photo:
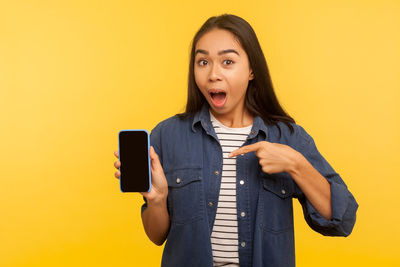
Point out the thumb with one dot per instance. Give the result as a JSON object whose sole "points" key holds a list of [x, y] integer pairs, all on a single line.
{"points": [[155, 161]]}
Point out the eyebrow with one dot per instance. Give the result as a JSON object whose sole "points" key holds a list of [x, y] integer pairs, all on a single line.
{"points": [[219, 53]]}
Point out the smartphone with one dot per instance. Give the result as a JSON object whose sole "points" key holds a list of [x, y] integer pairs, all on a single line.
{"points": [[133, 147]]}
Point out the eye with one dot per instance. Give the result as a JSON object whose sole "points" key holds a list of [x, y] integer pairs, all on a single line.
{"points": [[201, 60], [231, 62]]}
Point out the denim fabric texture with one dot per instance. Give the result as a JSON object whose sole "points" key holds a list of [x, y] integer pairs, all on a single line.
{"points": [[191, 156]]}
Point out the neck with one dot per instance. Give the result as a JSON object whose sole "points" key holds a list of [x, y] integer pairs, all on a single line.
{"points": [[237, 118]]}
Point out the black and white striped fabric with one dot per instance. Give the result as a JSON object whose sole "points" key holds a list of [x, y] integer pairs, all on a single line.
{"points": [[224, 236]]}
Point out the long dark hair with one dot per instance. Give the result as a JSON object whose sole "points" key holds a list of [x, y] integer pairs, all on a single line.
{"points": [[260, 96]]}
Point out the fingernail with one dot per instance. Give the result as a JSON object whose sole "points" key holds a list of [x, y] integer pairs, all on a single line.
{"points": [[230, 155]]}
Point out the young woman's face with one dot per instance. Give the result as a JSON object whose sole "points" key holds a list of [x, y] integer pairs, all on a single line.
{"points": [[222, 71]]}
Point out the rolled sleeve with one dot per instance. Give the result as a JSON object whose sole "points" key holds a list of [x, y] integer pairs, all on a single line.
{"points": [[343, 204], [343, 218], [144, 206]]}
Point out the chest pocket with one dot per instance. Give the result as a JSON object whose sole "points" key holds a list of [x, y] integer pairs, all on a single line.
{"points": [[277, 206], [185, 194]]}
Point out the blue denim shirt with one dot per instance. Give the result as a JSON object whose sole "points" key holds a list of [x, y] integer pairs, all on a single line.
{"points": [[191, 156]]}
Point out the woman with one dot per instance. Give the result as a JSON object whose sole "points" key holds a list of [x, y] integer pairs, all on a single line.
{"points": [[224, 172]]}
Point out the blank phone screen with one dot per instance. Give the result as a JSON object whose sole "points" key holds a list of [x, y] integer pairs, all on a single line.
{"points": [[134, 158]]}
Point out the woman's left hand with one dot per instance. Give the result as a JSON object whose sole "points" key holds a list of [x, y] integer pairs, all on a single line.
{"points": [[273, 157]]}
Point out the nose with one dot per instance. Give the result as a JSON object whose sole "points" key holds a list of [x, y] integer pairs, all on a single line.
{"points": [[214, 73]]}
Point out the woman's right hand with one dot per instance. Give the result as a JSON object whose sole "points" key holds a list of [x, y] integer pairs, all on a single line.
{"points": [[159, 185]]}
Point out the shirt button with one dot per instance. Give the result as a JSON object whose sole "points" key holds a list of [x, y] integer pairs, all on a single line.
{"points": [[216, 172], [253, 132], [210, 203], [243, 214], [241, 182], [283, 191], [178, 180], [243, 244]]}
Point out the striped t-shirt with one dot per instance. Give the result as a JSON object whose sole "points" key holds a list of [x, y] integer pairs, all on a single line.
{"points": [[224, 236]]}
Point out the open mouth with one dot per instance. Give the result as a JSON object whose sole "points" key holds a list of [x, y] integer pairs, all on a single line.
{"points": [[218, 98]]}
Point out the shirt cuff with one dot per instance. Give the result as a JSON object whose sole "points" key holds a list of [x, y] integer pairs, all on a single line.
{"points": [[344, 209], [144, 206]]}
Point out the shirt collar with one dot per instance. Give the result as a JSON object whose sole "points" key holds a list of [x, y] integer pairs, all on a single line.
{"points": [[203, 116]]}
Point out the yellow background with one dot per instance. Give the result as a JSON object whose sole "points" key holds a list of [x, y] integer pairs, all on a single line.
{"points": [[74, 73]]}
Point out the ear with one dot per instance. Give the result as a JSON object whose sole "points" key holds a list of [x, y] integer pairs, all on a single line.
{"points": [[251, 76]]}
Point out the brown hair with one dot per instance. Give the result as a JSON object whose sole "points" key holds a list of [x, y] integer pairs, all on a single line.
{"points": [[260, 96]]}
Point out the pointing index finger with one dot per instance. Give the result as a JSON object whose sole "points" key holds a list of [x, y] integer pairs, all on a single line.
{"points": [[244, 149]]}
